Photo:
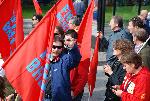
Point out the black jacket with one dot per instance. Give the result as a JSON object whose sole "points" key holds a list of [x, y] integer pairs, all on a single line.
{"points": [[116, 78]]}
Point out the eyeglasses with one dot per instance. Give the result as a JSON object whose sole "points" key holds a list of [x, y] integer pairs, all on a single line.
{"points": [[58, 47], [68, 39]]}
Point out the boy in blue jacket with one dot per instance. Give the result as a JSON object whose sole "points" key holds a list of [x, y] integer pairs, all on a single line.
{"points": [[58, 86]]}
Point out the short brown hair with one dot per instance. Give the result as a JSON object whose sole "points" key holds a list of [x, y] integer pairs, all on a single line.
{"points": [[137, 22], [124, 45], [132, 58], [141, 34], [118, 20], [59, 39], [60, 30], [72, 33]]}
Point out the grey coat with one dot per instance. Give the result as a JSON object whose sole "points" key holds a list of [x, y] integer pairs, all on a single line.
{"points": [[145, 54]]}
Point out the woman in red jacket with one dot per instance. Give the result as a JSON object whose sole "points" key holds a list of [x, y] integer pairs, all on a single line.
{"points": [[136, 84]]}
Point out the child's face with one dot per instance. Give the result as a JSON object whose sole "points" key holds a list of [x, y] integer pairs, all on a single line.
{"points": [[57, 48]]}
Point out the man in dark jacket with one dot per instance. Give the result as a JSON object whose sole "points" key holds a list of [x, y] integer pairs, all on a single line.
{"points": [[79, 8], [78, 76], [61, 64], [116, 24]]}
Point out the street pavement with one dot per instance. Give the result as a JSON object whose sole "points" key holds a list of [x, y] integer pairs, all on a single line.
{"points": [[99, 91], [101, 79]]}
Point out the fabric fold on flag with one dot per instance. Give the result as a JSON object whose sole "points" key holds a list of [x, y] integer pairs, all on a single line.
{"points": [[19, 24], [11, 27], [93, 68], [1, 1], [84, 42], [37, 7]]}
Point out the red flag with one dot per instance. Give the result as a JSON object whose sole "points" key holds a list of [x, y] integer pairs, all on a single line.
{"points": [[65, 15], [37, 7], [84, 40], [19, 24], [11, 35], [1, 1], [93, 68], [28, 60]]}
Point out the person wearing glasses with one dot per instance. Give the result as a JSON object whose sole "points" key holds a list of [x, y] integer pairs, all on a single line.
{"points": [[62, 61], [36, 19]]}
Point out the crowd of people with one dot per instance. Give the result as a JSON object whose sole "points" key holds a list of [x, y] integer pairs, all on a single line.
{"points": [[127, 61]]}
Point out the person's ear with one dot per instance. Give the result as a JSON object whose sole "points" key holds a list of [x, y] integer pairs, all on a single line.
{"points": [[38, 20], [132, 65], [116, 25]]}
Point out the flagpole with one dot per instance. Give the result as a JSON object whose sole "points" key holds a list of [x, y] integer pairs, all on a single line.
{"points": [[89, 93], [47, 65], [45, 76], [46, 69], [143, 44], [89, 97]]}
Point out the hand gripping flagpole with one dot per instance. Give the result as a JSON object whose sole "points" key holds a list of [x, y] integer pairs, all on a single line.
{"points": [[45, 77], [45, 74], [47, 65], [143, 44]]}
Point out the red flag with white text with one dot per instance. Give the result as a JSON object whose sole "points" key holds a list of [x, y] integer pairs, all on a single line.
{"points": [[11, 26], [63, 16], [37, 7], [29, 59]]}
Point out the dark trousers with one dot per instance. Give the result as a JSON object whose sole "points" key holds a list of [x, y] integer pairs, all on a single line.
{"points": [[78, 97], [114, 99]]}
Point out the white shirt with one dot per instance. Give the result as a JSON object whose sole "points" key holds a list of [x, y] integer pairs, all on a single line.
{"points": [[138, 47]]}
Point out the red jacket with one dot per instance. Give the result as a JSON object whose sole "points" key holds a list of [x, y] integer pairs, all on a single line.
{"points": [[78, 77], [136, 87]]}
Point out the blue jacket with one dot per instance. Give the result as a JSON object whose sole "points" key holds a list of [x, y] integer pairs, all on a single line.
{"points": [[60, 79], [79, 8], [108, 44], [147, 26]]}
